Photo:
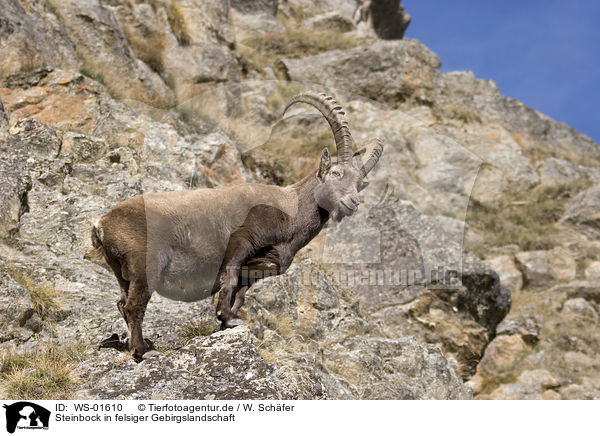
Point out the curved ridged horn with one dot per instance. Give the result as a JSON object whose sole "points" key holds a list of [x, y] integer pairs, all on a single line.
{"points": [[373, 157], [334, 115]]}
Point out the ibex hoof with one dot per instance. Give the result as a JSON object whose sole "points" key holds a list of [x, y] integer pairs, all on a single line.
{"points": [[139, 353]]}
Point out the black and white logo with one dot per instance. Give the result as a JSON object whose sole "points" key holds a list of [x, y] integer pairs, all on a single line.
{"points": [[26, 415]]}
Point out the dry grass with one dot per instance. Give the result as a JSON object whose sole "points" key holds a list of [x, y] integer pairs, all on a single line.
{"points": [[526, 219], [44, 296], [277, 100], [456, 112], [203, 326], [177, 23], [291, 156], [89, 73], [537, 151], [44, 374], [295, 42]]}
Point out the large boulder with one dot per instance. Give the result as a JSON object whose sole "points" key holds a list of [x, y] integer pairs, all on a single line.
{"points": [[387, 71], [509, 274], [541, 268], [412, 277], [535, 384], [583, 212], [29, 146], [225, 365], [501, 359], [308, 310], [462, 95], [188, 44], [305, 340]]}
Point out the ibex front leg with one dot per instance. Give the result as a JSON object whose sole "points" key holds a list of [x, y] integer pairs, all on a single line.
{"points": [[238, 250], [251, 245], [229, 281]]}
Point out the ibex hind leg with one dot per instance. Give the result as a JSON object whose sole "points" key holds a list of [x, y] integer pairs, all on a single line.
{"points": [[135, 309], [113, 341]]}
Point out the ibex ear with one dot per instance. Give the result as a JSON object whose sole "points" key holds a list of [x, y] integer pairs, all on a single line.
{"points": [[362, 185], [325, 164]]}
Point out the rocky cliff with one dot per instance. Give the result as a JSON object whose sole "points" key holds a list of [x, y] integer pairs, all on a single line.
{"points": [[477, 200]]}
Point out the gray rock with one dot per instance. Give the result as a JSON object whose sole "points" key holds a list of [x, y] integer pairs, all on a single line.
{"points": [[559, 172], [592, 271], [301, 10], [28, 147], [399, 368], [502, 358], [526, 326], [509, 274], [583, 214], [441, 177], [461, 92], [32, 37], [331, 21], [543, 267], [581, 308], [411, 277], [588, 290], [529, 386], [256, 25], [580, 392], [105, 53], [386, 71], [306, 309], [226, 365]]}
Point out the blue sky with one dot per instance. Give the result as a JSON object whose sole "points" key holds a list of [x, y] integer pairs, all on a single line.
{"points": [[544, 53]]}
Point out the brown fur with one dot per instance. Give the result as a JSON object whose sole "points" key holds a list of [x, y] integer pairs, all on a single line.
{"points": [[187, 245]]}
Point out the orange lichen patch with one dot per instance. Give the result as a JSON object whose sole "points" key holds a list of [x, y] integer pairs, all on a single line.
{"points": [[49, 105], [69, 111], [62, 98]]}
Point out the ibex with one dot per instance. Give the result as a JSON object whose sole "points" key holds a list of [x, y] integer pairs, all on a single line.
{"points": [[188, 245]]}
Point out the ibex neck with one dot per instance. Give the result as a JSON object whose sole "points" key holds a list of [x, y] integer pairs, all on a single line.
{"points": [[311, 218]]}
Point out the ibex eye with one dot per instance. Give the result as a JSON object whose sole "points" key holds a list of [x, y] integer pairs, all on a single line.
{"points": [[336, 174]]}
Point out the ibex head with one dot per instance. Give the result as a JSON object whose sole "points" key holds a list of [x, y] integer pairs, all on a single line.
{"points": [[339, 182]]}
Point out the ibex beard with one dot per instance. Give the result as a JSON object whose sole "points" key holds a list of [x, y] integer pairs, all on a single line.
{"points": [[189, 245]]}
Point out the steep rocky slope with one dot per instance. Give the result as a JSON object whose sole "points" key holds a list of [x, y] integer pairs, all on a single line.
{"points": [[477, 197]]}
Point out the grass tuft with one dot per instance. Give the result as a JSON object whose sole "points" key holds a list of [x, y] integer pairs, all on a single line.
{"points": [[295, 42], [88, 73], [44, 296], [203, 326], [526, 219], [44, 374]]}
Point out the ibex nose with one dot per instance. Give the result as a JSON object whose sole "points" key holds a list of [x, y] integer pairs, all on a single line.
{"points": [[355, 201]]}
